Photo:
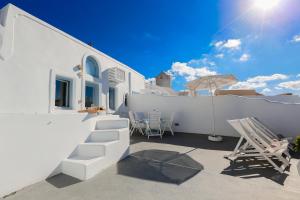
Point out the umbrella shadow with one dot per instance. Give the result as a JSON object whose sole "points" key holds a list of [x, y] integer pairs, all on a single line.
{"points": [[159, 165], [248, 168]]}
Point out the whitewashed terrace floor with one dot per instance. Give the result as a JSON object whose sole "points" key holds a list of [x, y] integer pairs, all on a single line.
{"points": [[185, 166]]}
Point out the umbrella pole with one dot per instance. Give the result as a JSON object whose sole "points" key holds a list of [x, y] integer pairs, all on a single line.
{"points": [[213, 113], [213, 137]]}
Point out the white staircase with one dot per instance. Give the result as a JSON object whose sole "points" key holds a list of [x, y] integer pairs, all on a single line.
{"points": [[106, 145]]}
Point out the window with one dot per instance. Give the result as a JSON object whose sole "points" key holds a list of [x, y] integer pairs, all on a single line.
{"points": [[92, 67], [62, 93], [91, 94], [112, 98], [93, 83]]}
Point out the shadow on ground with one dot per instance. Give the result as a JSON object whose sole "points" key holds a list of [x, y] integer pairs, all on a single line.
{"points": [[188, 140], [62, 180], [254, 168], [159, 165]]}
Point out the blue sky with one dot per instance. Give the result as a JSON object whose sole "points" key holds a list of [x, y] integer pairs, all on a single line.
{"points": [[188, 38]]}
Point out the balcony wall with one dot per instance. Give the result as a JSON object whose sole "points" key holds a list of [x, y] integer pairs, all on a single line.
{"points": [[194, 114]]}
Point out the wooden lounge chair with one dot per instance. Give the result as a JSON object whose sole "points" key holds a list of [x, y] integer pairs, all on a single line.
{"points": [[266, 131], [258, 146]]}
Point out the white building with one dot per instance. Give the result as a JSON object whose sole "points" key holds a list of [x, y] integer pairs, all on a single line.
{"points": [[34, 56], [46, 77]]}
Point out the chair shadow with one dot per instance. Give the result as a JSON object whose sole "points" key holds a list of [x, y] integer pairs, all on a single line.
{"points": [[159, 165], [62, 180], [248, 168]]}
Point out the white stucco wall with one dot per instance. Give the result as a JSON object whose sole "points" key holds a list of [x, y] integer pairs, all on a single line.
{"points": [[32, 50], [194, 114], [35, 136], [33, 145]]}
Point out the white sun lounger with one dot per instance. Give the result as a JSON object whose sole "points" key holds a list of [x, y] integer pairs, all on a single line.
{"points": [[257, 146], [264, 132], [263, 128], [266, 136]]}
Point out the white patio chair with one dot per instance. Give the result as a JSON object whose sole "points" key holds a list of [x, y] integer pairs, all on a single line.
{"points": [[140, 116], [135, 125], [256, 146], [154, 124], [167, 123]]}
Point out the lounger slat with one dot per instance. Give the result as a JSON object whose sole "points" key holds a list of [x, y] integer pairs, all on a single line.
{"points": [[259, 143]]}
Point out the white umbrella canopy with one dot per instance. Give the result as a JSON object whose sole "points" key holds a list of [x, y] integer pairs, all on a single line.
{"points": [[211, 82]]}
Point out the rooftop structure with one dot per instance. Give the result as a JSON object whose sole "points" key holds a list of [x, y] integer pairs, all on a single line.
{"points": [[237, 92], [164, 80]]}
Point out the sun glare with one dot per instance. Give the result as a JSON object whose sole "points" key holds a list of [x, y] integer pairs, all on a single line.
{"points": [[266, 4]]}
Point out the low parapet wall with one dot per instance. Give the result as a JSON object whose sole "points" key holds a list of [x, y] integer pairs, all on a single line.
{"points": [[194, 114]]}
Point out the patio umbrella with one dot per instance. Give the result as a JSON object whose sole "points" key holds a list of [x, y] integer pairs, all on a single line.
{"points": [[211, 83]]}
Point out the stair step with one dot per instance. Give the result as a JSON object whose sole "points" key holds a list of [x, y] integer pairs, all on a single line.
{"points": [[106, 145], [104, 135], [89, 150], [112, 124], [78, 157], [84, 169]]}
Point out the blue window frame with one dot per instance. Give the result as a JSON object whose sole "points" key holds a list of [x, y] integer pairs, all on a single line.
{"points": [[89, 96], [62, 93], [92, 67]]}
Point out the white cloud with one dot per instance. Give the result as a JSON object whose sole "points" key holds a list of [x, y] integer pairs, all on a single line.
{"points": [[258, 81], [296, 38], [199, 62], [232, 44], [190, 73], [247, 85], [293, 85], [266, 91], [219, 44], [150, 81], [273, 77], [298, 75], [245, 57], [220, 55]]}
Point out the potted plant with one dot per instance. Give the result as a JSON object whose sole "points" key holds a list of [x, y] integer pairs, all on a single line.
{"points": [[297, 144], [93, 110], [296, 148]]}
